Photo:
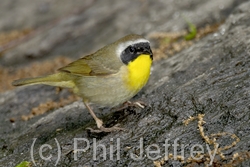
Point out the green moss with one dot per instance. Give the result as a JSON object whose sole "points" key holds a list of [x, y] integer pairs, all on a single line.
{"points": [[24, 164], [192, 31]]}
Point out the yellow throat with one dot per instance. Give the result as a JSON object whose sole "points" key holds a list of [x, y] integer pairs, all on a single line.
{"points": [[139, 71]]}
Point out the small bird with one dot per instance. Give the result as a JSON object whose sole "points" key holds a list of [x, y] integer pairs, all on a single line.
{"points": [[109, 77]]}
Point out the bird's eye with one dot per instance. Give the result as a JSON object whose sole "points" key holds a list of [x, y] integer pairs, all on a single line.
{"points": [[132, 49]]}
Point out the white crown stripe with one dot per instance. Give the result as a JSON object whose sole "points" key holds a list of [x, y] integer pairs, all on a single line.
{"points": [[123, 46]]}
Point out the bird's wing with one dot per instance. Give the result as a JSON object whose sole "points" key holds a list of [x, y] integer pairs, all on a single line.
{"points": [[93, 65]]}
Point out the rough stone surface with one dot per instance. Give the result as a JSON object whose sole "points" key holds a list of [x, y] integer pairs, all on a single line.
{"points": [[211, 77]]}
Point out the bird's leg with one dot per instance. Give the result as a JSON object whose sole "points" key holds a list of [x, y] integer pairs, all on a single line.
{"points": [[99, 123], [97, 120]]}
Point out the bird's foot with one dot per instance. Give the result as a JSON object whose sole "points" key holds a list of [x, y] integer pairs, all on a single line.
{"points": [[127, 104], [139, 104]]}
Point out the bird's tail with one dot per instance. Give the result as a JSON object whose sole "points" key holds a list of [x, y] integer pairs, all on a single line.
{"points": [[57, 79]]}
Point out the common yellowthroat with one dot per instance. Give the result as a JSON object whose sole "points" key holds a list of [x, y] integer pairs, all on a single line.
{"points": [[110, 76]]}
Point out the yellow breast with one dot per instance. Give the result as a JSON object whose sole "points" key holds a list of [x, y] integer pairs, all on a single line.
{"points": [[138, 72]]}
